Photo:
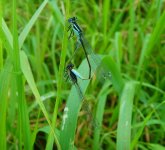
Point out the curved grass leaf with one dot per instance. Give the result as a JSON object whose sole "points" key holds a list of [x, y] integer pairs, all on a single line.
{"points": [[99, 114], [30, 24], [153, 146], [6, 37], [151, 41], [140, 131], [29, 77], [5, 77], [125, 117], [7, 33], [116, 79], [142, 126], [73, 106], [24, 133], [71, 111]]}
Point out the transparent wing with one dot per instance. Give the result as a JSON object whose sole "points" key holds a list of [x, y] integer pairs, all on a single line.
{"points": [[94, 122], [79, 75], [79, 91], [95, 60]]}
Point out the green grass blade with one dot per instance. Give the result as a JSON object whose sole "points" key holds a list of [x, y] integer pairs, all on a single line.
{"points": [[155, 146], [118, 19], [7, 33], [23, 122], [71, 111], [150, 86], [140, 131], [152, 41], [117, 80], [1, 52], [157, 31], [72, 108], [6, 37], [49, 144], [1, 55], [58, 14], [130, 37], [99, 114], [131, 32], [114, 26], [5, 77], [29, 77], [142, 55], [106, 6], [118, 46], [30, 24], [125, 117]]}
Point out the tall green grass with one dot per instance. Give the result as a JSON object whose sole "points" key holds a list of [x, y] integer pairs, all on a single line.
{"points": [[40, 110]]}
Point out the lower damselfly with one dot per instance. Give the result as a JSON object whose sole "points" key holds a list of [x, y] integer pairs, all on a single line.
{"points": [[73, 76], [93, 60]]}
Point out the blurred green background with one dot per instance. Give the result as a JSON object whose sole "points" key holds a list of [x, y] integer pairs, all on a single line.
{"points": [[40, 110]]}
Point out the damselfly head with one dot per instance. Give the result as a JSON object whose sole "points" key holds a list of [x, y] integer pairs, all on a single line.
{"points": [[72, 20], [70, 66]]}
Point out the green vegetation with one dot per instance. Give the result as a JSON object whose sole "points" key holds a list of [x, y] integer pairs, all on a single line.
{"points": [[40, 110]]}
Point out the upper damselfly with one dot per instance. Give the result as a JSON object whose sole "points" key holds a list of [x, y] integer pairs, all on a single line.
{"points": [[74, 28]]}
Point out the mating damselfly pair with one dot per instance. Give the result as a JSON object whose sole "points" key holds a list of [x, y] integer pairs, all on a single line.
{"points": [[93, 60]]}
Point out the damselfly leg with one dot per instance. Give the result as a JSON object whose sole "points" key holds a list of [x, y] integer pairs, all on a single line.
{"points": [[73, 78], [77, 45], [78, 32], [73, 75], [87, 49]]}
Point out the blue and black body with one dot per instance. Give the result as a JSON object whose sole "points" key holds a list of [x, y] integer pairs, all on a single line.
{"points": [[75, 29], [93, 63], [72, 76]]}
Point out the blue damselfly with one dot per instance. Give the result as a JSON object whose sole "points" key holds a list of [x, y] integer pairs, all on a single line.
{"points": [[73, 76], [74, 28]]}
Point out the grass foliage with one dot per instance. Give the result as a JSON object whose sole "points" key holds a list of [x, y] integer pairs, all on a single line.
{"points": [[40, 110]]}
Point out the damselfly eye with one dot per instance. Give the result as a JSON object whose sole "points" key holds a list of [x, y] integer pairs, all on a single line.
{"points": [[70, 66], [71, 20]]}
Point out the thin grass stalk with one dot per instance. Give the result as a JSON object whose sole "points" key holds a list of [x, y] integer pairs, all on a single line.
{"points": [[151, 42], [1, 52], [131, 32], [16, 69], [125, 117], [23, 126], [30, 79], [8, 39], [60, 78], [118, 46], [4, 87]]}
